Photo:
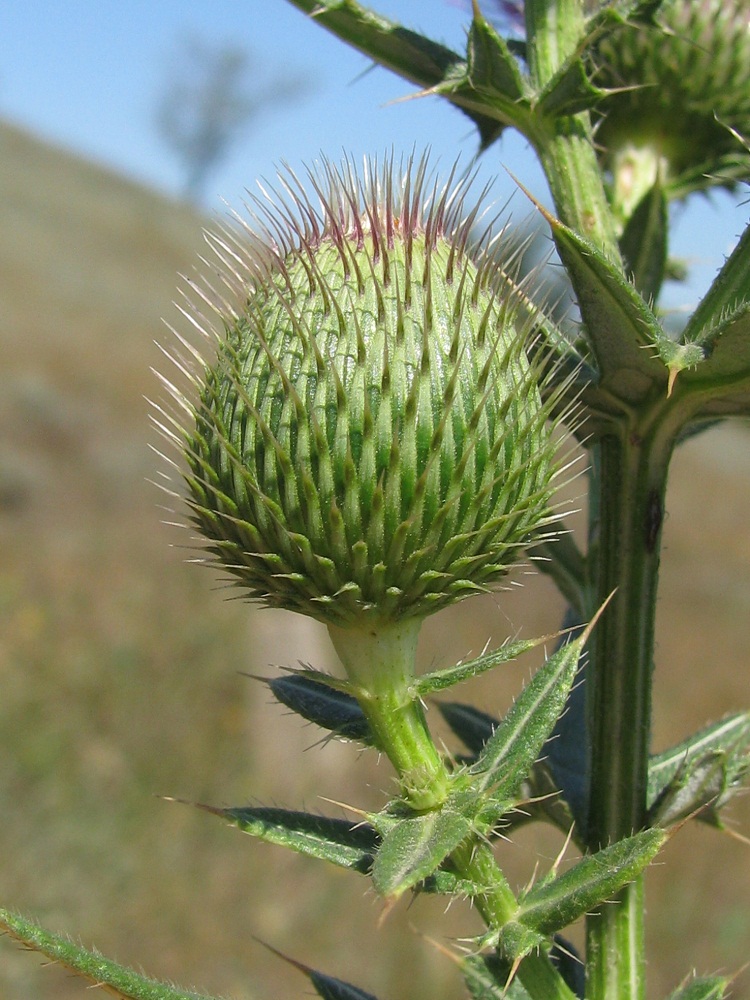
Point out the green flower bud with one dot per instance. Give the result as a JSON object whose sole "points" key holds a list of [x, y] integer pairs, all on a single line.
{"points": [[689, 78], [371, 441]]}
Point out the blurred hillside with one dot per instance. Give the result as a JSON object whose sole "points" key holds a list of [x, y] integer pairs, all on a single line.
{"points": [[121, 666]]}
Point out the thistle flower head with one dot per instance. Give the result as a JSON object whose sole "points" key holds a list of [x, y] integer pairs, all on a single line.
{"points": [[689, 78], [370, 439]]}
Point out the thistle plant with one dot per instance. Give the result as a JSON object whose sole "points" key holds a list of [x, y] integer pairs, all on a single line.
{"points": [[377, 425]]}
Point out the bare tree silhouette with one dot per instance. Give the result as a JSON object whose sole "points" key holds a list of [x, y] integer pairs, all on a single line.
{"points": [[212, 95]]}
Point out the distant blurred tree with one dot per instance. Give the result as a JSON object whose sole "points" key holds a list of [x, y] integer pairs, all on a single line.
{"points": [[212, 94]]}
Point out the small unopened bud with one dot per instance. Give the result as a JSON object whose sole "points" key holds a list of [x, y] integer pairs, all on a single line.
{"points": [[371, 440], [686, 102]]}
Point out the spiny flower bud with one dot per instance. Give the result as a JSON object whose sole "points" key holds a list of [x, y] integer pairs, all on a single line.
{"points": [[371, 441], [689, 78]]}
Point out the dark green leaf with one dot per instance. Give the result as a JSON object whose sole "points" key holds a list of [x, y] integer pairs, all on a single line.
{"points": [[557, 902], [90, 965], [408, 53], [416, 847], [569, 92], [701, 773], [720, 327], [722, 380], [348, 845], [491, 66], [326, 986], [703, 988], [335, 711], [335, 989], [644, 243], [471, 726], [489, 978], [568, 750]]}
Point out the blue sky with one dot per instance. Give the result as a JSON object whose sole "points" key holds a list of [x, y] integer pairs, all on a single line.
{"points": [[87, 74]]}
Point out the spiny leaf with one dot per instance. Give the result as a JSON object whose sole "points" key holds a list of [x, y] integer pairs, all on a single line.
{"points": [[90, 965], [409, 54], [569, 92], [472, 726], [491, 66], [348, 845], [555, 903], [325, 986], [701, 773], [489, 978], [620, 325], [568, 750], [336, 989], [415, 849], [515, 745], [703, 988], [539, 793], [720, 328], [335, 711], [439, 680]]}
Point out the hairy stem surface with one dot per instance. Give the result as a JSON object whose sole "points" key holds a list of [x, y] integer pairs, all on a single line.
{"points": [[631, 478]]}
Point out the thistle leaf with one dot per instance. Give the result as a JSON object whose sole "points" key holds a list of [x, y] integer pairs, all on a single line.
{"points": [[569, 92], [90, 965], [489, 978], [622, 329], [348, 845], [335, 711], [596, 878], [701, 773], [492, 68], [336, 989], [439, 680], [508, 755], [407, 53], [416, 847], [703, 988], [720, 374], [472, 726], [568, 751], [325, 986]]}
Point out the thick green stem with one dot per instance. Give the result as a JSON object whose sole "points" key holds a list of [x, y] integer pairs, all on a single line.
{"points": [[631, 481], [564, 144], [380, 662], [567, 155]]}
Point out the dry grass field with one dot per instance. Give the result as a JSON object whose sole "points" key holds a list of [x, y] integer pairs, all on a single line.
{"points": [[121, 666]]}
